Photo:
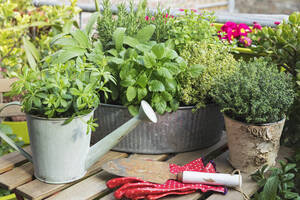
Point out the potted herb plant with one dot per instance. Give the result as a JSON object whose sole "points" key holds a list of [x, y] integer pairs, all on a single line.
{"points": [[282, 45], [144, 56], [255, 100], [59, 101]]}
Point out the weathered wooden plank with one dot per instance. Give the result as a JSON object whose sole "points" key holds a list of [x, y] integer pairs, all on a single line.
{"points": [[87, 189], [108, 197], [95, 185], [149, 157], [5, 84], [249, 186], [39, 190], [9, 161], [16, 176]]}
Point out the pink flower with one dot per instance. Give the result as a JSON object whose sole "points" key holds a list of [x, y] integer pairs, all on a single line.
{"points": [[181, 9], [277, 23], [231, 34], [147, 18], [152, 18], [243, 29], [256, 26], [166, 16], [193, 10], [246, 41], [228, 25]]}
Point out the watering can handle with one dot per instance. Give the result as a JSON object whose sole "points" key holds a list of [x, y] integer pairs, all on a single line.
{"points": [[10, 141]]}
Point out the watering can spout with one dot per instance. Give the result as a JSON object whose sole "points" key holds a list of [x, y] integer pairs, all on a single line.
{"points": [[146, 114]]}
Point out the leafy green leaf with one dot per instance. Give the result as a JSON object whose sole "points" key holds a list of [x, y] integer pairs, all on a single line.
{"points": [[142, 92], [142, 80], [37, 102], [145, 33], [81, 38], [149, 60], [159, 50], [131, 93], [127, 82], [115, 60], [290, 195], [89, 26], [31, 52], [65, 54], [118, 37], [167, 96], [156, 86], [164, 72], [270, 189], [174, 104], [130, 41], [171, 84], [160, 106], [134, 110], [66, 42]]}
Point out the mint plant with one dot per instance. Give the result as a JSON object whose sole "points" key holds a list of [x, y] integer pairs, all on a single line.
{"points": [[279, 185], [145, 70], [61, 90]]}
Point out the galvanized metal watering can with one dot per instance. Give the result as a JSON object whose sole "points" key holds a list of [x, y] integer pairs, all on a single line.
{"points": [[62, 153]]}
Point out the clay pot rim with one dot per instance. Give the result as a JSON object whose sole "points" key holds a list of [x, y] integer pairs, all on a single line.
{"points": [[249, 124]]}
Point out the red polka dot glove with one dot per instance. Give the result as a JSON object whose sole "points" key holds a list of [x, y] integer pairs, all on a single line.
{"points": [[134, 188]]}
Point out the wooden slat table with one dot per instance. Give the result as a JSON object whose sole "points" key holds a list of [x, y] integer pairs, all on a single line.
{"points": [[16, 174]]}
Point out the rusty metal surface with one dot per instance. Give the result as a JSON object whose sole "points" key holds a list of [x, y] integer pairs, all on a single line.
{"points": [[152, 171], [178, 131]]}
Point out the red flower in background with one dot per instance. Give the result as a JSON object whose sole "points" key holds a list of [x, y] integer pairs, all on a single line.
{"points": [[243, 30], [240, 32], [276, 23], [147, 18], [246, 41], [256, 26]]}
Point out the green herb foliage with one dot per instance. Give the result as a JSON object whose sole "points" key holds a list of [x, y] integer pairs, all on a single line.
{"points": [[279, 185], [215, 61], [191, 27], [61, 90], [282, 44], [145, 70], [256, 93], [181, 29], [23, 25]]}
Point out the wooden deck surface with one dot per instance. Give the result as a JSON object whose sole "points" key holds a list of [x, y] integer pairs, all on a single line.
{"points": [[16, 174]]}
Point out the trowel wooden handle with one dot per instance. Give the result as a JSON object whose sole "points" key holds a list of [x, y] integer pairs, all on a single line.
{"points": [[210, 178]]}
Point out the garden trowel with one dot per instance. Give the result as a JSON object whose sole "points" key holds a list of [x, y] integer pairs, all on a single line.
{"points": [[159, 172]]}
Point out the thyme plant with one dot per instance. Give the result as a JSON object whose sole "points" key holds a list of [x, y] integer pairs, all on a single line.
{"points": [[256, 93]]}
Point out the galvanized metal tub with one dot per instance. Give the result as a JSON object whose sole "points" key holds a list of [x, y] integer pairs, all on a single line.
{"points": [[178, 131]]}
